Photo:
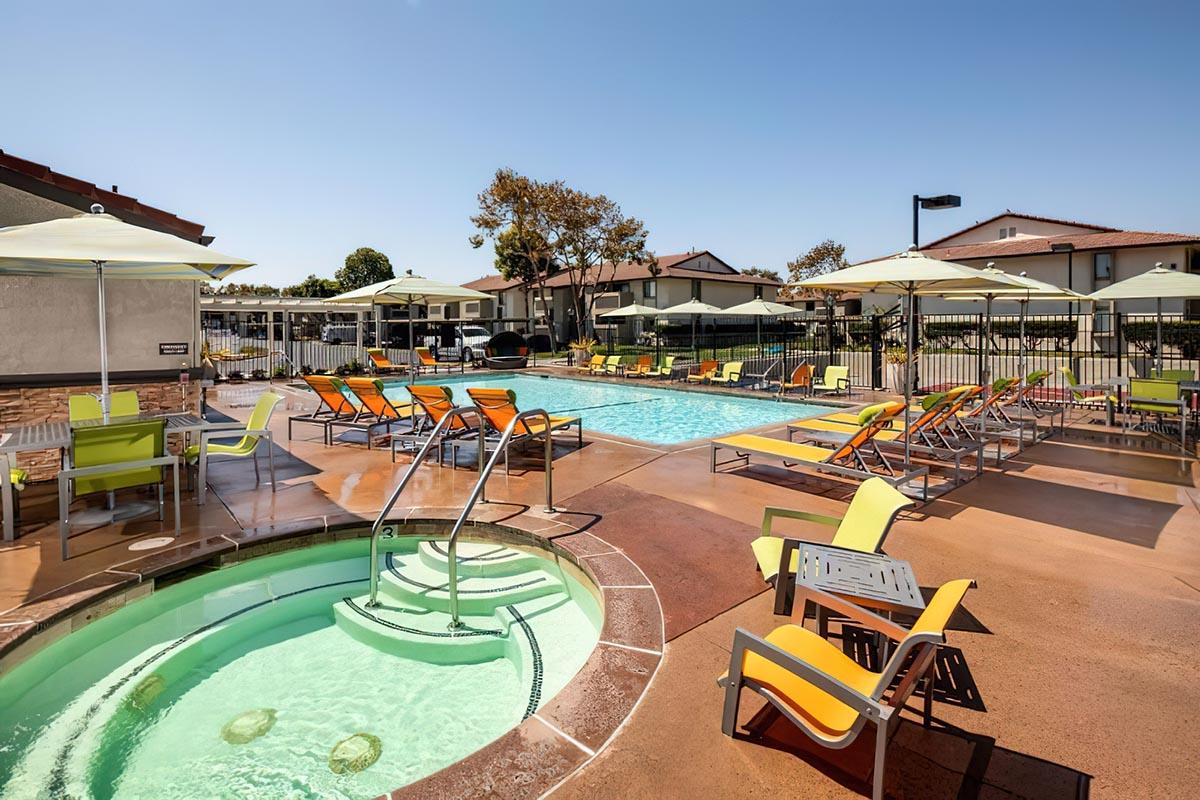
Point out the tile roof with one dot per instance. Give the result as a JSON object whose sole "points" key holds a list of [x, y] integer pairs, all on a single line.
{"points": [[670, 266], [45, 182], [1018, 215], [1040, 245]]}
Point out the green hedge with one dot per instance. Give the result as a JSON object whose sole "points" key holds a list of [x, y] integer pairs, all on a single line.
{"points": [[950, 333], [1182, 334], [1062, 332]]}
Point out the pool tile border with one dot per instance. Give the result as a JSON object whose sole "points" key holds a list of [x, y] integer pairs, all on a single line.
{"points": [[529, 760]]}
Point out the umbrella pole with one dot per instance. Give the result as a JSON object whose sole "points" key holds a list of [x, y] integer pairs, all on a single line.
{"points": [[987, 345], [103, 339], [908, 378], [1158, 346], [412, 347]]}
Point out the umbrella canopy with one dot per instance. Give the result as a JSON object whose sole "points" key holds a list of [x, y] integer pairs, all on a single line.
{"points": [[100, 246], [906, 273], [1157, 284], [631, 310], [690, 307], [408, 290], [761, 308]]}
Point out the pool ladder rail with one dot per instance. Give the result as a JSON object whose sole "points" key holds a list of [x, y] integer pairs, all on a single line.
{"points": [[478, 492]]}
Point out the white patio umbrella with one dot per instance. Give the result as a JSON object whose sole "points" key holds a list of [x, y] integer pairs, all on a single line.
{"points": [[1159, 284], [759, 308], [100, 246], [408, 290], [631, 310], [906, 274], [693, 308]]}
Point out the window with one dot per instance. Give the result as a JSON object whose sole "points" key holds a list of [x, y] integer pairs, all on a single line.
{"points": [[696, 284], [650, 289], [1102, 264], [758, 291], [1004, 233], [471, 308], [1008, 233]]}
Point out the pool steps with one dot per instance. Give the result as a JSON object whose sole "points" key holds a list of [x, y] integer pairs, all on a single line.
{"points": [[413, 619]]}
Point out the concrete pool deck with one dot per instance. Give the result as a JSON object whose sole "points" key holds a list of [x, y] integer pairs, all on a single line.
{"points": [[1074, 670]]}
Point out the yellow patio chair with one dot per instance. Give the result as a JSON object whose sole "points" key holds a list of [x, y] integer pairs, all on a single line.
{"points": [[82, 407], [124, 404], [591, 365], [731, 374], [706, 371], [1157, 397], [829, 696], [607, 366], [867, 521], [836, 379], [256, 431], [663, 370]]}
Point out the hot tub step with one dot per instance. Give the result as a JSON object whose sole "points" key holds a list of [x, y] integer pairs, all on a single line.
{"points": [[412, 582], [421, 634], [478, 558]]}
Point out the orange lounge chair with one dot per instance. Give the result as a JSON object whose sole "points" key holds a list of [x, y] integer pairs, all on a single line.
{"points": [[641, 369], [333, 404], [426, 361], [801, 378], [375, 409], [704, 372], [499, 408], [435, 402], [382, 364]]}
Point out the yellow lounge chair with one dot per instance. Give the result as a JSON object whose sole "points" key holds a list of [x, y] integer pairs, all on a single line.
{"points": [[836, 379], [499, 408], [865, 525], [731, 374], [848, 459], [705, 371], [382, 364], [609, 366], [592, 365], [801, 378], [827, 694]]}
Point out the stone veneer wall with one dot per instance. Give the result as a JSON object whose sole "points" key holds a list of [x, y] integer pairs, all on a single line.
{"points": [[31, 405]]}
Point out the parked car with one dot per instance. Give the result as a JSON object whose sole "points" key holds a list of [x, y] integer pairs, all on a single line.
{"points": [[338, 332], [469, 344]]}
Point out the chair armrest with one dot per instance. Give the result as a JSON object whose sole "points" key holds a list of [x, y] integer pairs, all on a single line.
{"points": [[223, 426], [746, 642], [1156, 401], [855, 612], [118, 466], [843, 383], [771, 512], [207, 435]]}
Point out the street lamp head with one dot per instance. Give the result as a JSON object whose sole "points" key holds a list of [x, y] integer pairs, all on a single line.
{"points": [[940, 201], [1061, 247]]}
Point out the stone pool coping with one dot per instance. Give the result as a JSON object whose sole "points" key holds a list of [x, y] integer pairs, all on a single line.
{"points": [[531, 759]]}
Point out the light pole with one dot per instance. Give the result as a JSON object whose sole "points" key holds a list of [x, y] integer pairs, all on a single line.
{"points": [[1069, 249], [933, 203]]}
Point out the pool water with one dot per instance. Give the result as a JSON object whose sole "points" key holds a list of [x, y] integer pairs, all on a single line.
{"points": [[146, 702], [633, 410]]}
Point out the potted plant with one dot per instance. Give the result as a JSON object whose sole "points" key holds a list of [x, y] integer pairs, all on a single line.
{"points": [[582, 349], [895, 361]]}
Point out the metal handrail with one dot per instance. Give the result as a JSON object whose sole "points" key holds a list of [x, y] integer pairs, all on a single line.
{"points": [[477, 492], [271, 364], [377, 526]]}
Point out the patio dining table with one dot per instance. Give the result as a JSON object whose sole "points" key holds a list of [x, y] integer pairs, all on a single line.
{"points": [[56, 435]]}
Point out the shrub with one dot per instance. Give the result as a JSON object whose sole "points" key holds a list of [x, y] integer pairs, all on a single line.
{"points": [[1061, 331], [280, 372], [1182, 334], [258, 375], [950, 333]]}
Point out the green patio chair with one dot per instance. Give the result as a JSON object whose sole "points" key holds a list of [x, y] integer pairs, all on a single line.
{"points": [[664, 369], [82, 407], [1157, 397], [1173, 375], [107, 458], [124, 404], [1078, 397], [613, 364], [836, 379], [17, 478], [254, 433]]}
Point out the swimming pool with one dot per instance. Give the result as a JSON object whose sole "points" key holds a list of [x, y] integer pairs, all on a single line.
{"points": [[272, 679], [633, 410]]}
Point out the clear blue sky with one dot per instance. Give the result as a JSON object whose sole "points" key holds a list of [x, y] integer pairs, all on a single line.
{"points": [[299, 131]]}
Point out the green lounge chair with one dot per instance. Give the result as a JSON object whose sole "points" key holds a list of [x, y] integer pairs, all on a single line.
{"points": [[836, 379], [731, 374], [106, 458], [255, 431], [612, 364], [664, 370]]}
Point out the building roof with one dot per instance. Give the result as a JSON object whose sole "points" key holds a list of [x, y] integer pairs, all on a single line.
{"points": [[40, 180], [1041, 245], [670, 266], [1018, 215]]}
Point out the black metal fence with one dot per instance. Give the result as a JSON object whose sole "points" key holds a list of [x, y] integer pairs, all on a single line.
{"points": [[952, 349], [247, 345]]}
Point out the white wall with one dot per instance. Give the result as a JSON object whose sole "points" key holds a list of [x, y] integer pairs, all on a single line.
{"points": [[1025, 228]]}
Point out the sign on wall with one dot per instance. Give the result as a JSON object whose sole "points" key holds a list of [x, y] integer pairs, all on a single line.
{"points": [[172, 348]]}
